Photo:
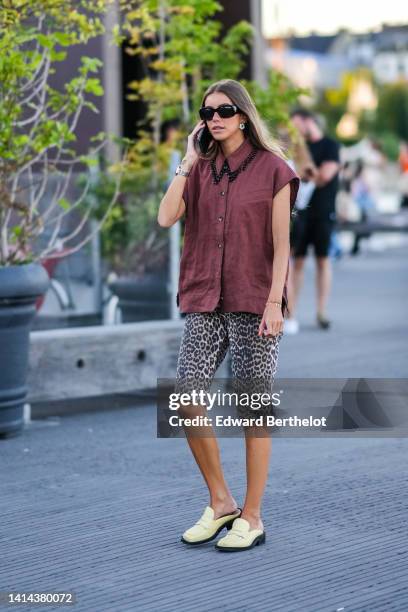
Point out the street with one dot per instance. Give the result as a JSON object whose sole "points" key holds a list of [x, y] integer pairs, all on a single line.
{"points": [[95, 503]]}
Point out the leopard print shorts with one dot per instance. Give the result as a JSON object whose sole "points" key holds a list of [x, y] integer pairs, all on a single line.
{"points": [[206, 338]]}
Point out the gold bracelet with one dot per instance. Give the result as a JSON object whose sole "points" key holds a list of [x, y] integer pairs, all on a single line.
{"points": [[273, 302]]}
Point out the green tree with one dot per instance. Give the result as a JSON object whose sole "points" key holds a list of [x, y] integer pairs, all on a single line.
{"points": [[392, 112], [275, 101], [38, 122], [334, 102], [180, 47]]}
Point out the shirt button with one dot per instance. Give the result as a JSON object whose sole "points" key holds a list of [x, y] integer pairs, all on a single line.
{"points": [[220, 245], [222, 193], [220, 218]]}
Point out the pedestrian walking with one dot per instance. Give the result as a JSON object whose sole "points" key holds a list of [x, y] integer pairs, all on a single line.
{"points": [[302, 162], [361, 193], [315, 223], [236, 191]]}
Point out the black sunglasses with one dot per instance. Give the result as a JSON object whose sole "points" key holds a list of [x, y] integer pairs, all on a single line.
{"points": [[225, 111]]}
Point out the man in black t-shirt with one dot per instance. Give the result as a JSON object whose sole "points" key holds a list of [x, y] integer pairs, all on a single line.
{"points": [[314, 224]]}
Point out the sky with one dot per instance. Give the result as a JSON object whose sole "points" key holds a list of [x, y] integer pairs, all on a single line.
{"points": [[327, 16]]}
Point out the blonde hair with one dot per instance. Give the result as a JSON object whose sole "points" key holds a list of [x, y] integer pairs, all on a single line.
{"points": [[255, 129]]}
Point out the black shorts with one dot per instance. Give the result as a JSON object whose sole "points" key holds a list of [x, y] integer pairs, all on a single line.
{"points": [[308, 230]]}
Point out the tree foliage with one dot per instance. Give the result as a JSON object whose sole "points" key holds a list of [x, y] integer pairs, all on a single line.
{"points": [[392, 113], [38, 122]]}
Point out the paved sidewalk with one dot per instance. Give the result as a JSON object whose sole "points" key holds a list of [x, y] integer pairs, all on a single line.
{"points": [[96, 504], [368, 306]]}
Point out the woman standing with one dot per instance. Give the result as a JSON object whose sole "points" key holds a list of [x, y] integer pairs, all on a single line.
{"points": [[237, 197]]}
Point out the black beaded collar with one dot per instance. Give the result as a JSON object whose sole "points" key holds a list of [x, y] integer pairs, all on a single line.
{"points": [[232, 174]]}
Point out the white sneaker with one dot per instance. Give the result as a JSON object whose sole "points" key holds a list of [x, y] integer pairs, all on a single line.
{"points": [[291, 326]]}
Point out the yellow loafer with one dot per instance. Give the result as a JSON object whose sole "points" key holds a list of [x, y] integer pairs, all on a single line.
{"points": [[207, 528], [240, 537]]}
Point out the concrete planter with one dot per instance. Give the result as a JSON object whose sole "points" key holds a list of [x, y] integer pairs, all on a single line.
{"points": [[20, 286], [142, 299]]}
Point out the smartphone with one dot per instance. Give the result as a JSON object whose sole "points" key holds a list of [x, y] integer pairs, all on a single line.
{"points": [[204, 139]]}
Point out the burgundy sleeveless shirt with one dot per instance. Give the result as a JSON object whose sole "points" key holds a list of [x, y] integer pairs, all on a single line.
{"points": [[227, 256]]}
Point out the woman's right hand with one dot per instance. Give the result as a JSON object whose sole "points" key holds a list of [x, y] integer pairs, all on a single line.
{"points": [[191, 153]]}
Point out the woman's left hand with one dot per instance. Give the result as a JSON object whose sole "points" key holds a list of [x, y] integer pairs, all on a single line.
{"points": [[272, 321]]}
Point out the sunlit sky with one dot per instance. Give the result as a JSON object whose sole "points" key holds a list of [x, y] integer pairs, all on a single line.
{"points": [[326, 17]]}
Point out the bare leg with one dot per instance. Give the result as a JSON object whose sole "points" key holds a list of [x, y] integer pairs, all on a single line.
{"points": [[205, 449], [323, 283], [258, 451]]}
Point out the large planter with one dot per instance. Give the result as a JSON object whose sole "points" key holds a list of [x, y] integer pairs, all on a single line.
{"points": [[142, 298], [20, 286]]}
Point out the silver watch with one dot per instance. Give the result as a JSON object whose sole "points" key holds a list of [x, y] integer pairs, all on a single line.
{"points": [[180, 171]]}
